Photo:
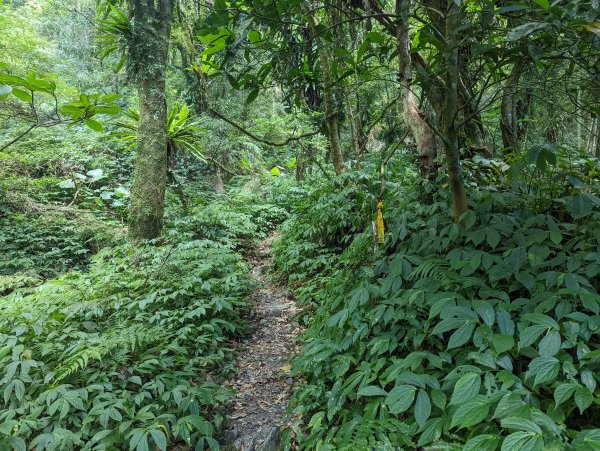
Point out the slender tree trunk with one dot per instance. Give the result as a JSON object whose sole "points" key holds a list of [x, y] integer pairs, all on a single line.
{"points": [[355, 126], [597, 149], [149, 50], [425, 139], [219, 185], [450, 110], [511, 110], [333, 134]]}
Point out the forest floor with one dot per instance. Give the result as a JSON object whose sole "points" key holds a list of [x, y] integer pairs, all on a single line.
{"points": [[263, 385]]}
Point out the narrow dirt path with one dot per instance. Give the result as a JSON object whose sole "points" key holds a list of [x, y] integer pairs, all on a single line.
{"points": [[263, 385]]}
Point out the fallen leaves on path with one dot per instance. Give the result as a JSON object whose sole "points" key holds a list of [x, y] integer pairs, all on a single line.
{"points": [[263, 385]]}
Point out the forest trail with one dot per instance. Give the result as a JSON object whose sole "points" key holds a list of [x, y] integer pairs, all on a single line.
{"points": [[263, 385]]}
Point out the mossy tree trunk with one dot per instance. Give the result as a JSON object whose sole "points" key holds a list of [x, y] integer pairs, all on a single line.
{"points": [[450, 109], [330, 108], [148, 54]]}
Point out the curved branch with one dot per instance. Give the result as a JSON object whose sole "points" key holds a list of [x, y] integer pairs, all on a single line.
{"points": [[255, 137]]}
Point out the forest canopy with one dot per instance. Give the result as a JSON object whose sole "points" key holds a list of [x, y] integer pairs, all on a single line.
{"points": [[299, 224]]}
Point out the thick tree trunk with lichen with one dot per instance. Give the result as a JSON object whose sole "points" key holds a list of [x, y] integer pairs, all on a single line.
{"points": [[148, 51], [333, 134], [425, 139]]}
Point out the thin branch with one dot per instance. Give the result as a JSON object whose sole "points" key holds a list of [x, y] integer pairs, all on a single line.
{"points": [[312, 158], [18, 137], [219, 165], [260, 138]]}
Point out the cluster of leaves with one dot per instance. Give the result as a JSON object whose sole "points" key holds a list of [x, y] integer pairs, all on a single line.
{"points": [[183, 130], [475, 336], [50, 244], [128, 354], [236, 220], [325, 220]]}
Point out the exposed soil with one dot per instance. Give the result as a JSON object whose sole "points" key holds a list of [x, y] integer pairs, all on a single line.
{"points": [[263, 385]]}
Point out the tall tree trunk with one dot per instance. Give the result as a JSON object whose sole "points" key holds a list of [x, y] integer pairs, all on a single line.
{"points": [[219, 185], [149, 49], [356, 127], [597, 149], [450, 110], [425, 139], [333, 135], [512, 110]]}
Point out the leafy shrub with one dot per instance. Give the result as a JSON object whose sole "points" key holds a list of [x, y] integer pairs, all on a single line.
{"points": [[474, 336], [49, 244], [128, 354], [323, 222], [237, 220]]}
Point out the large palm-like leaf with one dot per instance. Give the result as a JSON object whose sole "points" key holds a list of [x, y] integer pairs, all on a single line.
{"points": [[114, 32], [183, 131]]}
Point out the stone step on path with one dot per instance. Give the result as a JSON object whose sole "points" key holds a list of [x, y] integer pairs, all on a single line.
{"points": [[263, 385]]}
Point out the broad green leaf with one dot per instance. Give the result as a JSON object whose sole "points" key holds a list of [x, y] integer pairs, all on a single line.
{"points": [[400, 398], [438, 397], [544, 369], [493, 237], [22, 95], [583, 398], [160, 440], [376, 37], [485, 310], [563, 392], [67, 184], [541, 319], [471, 413], [550, 344], [253, 36], [449, 324], [525, 30], [372, 390], [511, 405], [588, 379], [94, 125], [461, 335], [432, 431], [482, 443], [523, 441], [503, 343], [422, 407], [530, 335], [520, 424], [466, 388], [587, 440]]}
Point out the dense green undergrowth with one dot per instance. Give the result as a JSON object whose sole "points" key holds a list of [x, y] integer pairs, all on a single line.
{"points": [[477, 336], [129, 348]]}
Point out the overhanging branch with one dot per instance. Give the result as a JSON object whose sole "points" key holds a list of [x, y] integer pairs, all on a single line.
{"points": [[261, 139]]}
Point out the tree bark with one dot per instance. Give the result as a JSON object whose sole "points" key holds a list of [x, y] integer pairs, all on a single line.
{"points": [[511, 110], [335, 148], [451, 109], [149, 48], [425, 139]]}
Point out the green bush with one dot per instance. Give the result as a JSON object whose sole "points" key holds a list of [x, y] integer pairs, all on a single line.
{"points": [[473, 336], [236, 220], [323, 221], [50, 243], [129, 354]]}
